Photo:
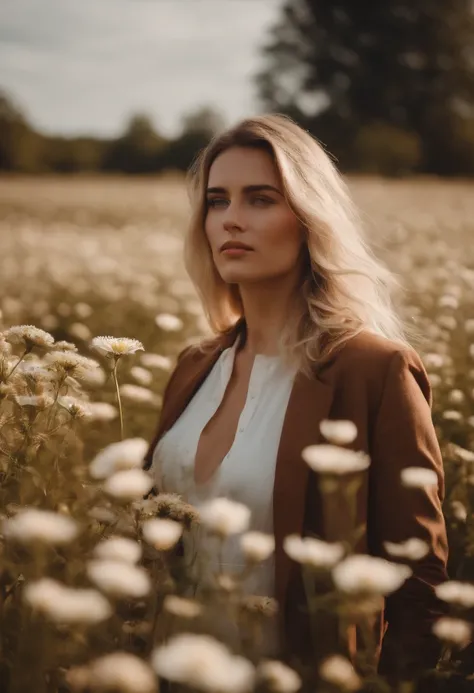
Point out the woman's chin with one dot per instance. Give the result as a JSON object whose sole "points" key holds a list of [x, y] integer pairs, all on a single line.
{"points": [[236, 277]]}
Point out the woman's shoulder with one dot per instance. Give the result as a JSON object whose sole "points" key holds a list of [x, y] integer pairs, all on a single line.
{"points": [[375, 353], [371, 364]]}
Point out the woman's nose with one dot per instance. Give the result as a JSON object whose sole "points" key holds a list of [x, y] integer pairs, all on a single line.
{"points": [[232, 219], [229, 225]]}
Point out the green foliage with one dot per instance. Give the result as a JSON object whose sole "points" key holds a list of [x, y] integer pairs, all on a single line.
{"points": [[384, 149], [140, 149], [339, 67]]}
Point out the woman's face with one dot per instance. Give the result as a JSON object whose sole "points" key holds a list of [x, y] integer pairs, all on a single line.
{"points": [[245, 203]]}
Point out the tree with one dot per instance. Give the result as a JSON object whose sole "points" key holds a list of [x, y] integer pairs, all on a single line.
{"points": [[74, 155], [138, 149], [204, 120], [20, 146], [340, 66], [198, 128]]}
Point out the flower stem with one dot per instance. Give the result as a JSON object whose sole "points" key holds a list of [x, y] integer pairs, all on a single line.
{"points": [[56, 396], [309, 588], [18, 363], [114, 373]]}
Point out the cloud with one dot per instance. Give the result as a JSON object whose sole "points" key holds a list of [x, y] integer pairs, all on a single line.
{"points": [[86, 66]]}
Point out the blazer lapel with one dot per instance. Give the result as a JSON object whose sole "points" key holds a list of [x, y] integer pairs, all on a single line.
{"points": [[188, 380]]}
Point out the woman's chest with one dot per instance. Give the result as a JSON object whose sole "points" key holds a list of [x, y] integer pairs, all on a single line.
{"points": [[222, 428], [231, 436]]}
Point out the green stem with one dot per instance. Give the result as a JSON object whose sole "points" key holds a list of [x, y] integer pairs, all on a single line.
{"points": [[310, 593], [114, 373]]}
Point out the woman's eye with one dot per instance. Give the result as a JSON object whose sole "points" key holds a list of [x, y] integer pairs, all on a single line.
{"points": [[215, 201]]}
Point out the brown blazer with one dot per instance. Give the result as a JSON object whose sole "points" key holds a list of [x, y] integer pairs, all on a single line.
{"points": [[384, 389]]}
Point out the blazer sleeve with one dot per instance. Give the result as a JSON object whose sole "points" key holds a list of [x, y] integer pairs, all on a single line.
{"points": [[147, 460], [404, 436]]}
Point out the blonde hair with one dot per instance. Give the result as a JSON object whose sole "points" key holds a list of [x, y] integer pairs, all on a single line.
{"points": [[344, 288]]}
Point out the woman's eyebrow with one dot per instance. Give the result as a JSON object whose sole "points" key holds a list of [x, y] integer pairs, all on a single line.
{"points": [[247, 189]]}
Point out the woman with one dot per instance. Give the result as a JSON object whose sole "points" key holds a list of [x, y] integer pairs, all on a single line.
{"points": [[304, 331]]}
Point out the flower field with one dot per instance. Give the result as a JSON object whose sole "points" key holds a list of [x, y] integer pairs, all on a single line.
{"points": [[91, 592]]}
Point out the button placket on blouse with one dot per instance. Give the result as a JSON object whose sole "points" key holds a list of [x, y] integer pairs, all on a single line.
{"points": [[250, 403]]}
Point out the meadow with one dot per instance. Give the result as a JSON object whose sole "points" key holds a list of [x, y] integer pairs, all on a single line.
{"points": [[87, 257]]}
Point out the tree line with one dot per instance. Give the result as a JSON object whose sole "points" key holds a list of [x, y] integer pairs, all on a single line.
{"points": [[386, 86], [140, 149]]}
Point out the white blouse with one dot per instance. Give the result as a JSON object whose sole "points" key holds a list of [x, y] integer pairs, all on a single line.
{"points": [[246, 473]]}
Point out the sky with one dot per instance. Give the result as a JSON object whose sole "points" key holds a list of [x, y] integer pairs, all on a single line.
{"points": [[85, 66]]}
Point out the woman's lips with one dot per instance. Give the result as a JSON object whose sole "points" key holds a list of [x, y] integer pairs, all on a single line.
{"points": [[236, 251]]}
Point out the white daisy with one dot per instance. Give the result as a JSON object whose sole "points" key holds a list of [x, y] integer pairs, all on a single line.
{"points": [[312, 552], [257, 546], [455, 592], [168, 322], [452, 415], [128, 485], [102, 411], [156, 361], [141, 375], [201, 662], [330, 459], [162, 533], [453, 630], [413, 549], [28, 335], [122, 671], [83, 310], [361, 574], [179, 606], [340, 672], [433, 361], [116, 346], [224, 516], [278, 677], [63, 604], [339, 432], [118, 549], [125, 454], [80, 331], [456, 396], [459, 510], [418, 477], [32, 525], [119, 579], [136, 393], [448, 301]]}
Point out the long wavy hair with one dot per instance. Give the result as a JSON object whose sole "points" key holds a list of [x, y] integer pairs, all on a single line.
{"points": [[344, 288]]}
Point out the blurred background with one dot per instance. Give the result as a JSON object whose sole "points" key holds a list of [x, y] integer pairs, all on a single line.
{"points": [[139, 86]]}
